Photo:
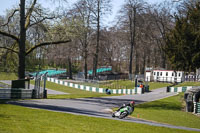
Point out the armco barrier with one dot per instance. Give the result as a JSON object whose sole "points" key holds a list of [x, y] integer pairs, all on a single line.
{"points": [[7, 93], [137, 90], [196, 107], [21, 94], [178, 89]]}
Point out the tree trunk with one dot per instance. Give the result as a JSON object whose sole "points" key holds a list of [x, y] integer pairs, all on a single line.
{"points": [[97, 43], [86, 54], [148, 58], [85, 66], [22, 52], [155, 58], [132, 20], [69, 68], [144, 63], [136, 62]]}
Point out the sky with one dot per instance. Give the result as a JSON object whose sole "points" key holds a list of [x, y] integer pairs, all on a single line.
{"points": [[8, 4]]}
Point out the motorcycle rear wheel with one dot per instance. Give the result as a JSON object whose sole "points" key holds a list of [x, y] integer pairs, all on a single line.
{"points": [[123, 115]]}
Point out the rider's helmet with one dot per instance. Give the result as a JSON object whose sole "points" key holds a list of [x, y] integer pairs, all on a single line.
{"points": [[132, 103]]}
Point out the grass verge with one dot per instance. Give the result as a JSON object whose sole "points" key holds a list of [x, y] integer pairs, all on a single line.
{"points": [[188, 84], [8, 76], [156, 85], [16, 119], [168, 110]]}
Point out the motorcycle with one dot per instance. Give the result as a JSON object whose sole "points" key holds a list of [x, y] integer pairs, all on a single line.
{"points": [[123, 112]]}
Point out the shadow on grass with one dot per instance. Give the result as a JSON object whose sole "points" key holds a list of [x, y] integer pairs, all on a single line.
{"points": [[161, 105], [5, 116], [3, 101]]}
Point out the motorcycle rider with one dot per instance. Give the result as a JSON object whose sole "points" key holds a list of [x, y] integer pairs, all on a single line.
{"points": [[124, 110], [130, 104]]}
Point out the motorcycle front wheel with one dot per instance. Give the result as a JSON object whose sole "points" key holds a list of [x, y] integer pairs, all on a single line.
{"points": [[113, 115]]}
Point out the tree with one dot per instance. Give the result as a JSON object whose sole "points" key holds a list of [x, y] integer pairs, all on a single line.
{"points": [[162, 23], [83, 15], [28, 19], [183, 40], [100, 8], [129, 12]]}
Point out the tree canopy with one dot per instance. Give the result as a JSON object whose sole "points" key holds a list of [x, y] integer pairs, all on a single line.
{"points": [[183, 41], [29, 19]]}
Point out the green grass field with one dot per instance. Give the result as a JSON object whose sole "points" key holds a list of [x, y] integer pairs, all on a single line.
{"points": [[188, 84], [110, 84], [123, 84], [156, 85], [8, 76], [168, 110], [16, 119], [130, 85], [118, 84]]}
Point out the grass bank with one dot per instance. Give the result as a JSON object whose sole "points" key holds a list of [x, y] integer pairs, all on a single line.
{"points": [[8, 76], [188, 84], [168, 110], [156, 85]]}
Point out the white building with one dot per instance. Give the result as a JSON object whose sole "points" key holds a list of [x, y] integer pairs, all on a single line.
{"points": [[164, 76]]}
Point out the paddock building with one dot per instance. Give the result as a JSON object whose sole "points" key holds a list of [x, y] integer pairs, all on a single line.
{"points": [[164, 76]]}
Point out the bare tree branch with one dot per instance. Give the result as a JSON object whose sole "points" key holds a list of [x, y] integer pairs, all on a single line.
{"points": [[28, 15], [9, 35], [40, 21], [45, 44], [10, 17], [12, 50]]}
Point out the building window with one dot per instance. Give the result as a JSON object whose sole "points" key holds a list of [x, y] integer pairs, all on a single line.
{"points": [[166, 73], [154, 73], [179, 74], [172, 74], [160, 73], [157, 73]]}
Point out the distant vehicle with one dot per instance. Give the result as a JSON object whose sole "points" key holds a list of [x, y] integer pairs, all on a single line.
{"points": [[29, 75]]}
